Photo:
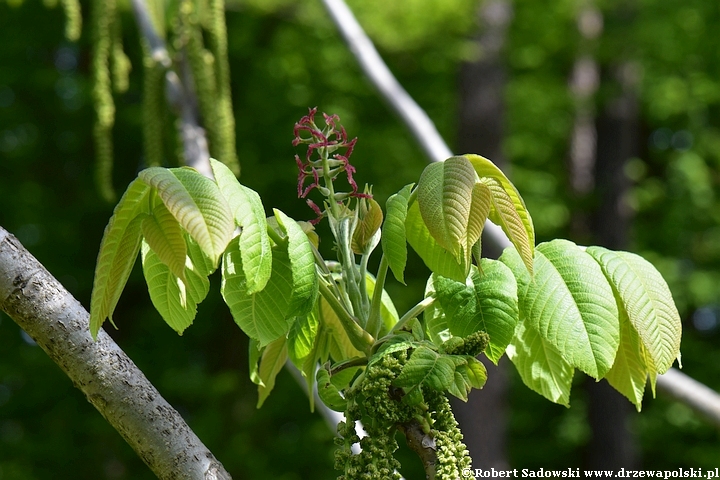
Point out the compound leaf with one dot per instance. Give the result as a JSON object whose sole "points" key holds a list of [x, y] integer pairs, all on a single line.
{"points": [[165, 237], [427, 367], [570, 303]]}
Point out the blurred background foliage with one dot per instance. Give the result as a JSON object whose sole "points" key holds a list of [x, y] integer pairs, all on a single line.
{"points": [[286, 56]]}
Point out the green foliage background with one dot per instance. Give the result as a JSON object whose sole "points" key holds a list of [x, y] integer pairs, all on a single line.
{"points": [[286, 56]]}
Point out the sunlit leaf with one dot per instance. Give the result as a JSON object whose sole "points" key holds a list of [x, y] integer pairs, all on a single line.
{"points": [[302, 265], [540, 365], [487, 302], [648, 302], [118, 250], [426, 367], [443, 194], [272, 361], [301, 338], [196, 203], [394, 244], [370, 217], [329, 393], [176, 300], [261, 315], [437, 259], [487, 169], [340, 346], [570, 303], [165, 237], [249, 214]]}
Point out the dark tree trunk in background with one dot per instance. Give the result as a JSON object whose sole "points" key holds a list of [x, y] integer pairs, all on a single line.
{"points": [[613, 445], [483, 418]]}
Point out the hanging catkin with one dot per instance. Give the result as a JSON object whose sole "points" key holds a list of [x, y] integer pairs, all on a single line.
{"points": [[119, 62], [73, 19], [201, 64], [153, 107], [103, 14], [217, 41]]}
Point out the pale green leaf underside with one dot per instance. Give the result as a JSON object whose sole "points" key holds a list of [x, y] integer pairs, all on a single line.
{"points": [[261, 315], [437, 259], [196, 203], [165, 237], [176, 300], [426, 367], [272, 361], [118, 250], [629, 373], [540, 365], [249, 214], [302, 264], [648, 302], [301, 338], [394, 244], [487, 302], [570, 303], [485, 168], [443, 190]]}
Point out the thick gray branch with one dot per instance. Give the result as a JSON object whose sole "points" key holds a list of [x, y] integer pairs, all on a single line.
{"points": [[42, 307], [678, 385]]}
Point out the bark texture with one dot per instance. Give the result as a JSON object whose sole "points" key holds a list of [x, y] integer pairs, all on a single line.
{"points": [[42, 307]]}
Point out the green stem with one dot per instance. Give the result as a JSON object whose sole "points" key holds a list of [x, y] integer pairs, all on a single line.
{"points": [[414, 312], [360, 339], [374, 322], [355, 362], [276, 237]]}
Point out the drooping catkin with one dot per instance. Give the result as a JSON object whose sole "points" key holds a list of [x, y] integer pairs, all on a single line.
{"points": [[73, 19], [119, 62], [217, 41], [202, 66], [153, 108], [103, 14]]}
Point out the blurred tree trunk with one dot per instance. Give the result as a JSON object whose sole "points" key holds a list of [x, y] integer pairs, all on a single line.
{"points": [[613, 444], [483, 418], [601, 144]]}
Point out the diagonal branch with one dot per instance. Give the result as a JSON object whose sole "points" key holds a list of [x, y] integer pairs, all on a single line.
{"points": [[115, 386], [676, 384]]}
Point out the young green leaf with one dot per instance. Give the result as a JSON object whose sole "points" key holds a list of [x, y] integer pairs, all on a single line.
{"points": [[118, 250], [302, 265], [481, 205], [272, 361], [370, 217], [648, 302], [340, 346], [254, 353], [393, 232], [487, 169], [570, 303], [505, 214], [540, 365], [329, 393], [174, 298], [249, 214], [629, 373], [426, 367], [196, 203], [436, 327], [165, 237], [437, 259], [486, 302], [443, 192], [261, 315], [301, 338]]}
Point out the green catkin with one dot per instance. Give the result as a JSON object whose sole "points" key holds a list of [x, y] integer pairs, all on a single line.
{"points": [[202, 65], [217, 41], [73, 19], [103, 14], [452, 454], [153, 108], [119, 62]]}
